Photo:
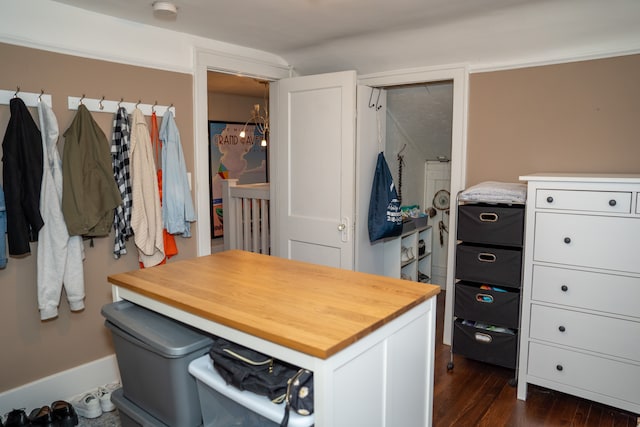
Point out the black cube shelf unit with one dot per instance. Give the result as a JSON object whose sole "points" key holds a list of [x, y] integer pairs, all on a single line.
{"points": [[488, 271]]}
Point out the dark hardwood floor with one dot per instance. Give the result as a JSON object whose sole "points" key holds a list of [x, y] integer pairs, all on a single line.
{"points": [[478, 394]]}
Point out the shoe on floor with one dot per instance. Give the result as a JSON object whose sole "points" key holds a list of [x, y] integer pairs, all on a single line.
{"points": [[87, 405], [64, 413], [43, 417], [17, 418], [104, 395]]}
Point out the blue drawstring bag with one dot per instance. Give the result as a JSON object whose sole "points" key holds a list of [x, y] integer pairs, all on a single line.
{"points": [[385, 218]]}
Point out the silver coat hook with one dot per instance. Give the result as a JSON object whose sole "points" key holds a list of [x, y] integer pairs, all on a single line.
{"points": [[15, 95], [80, 102], [100, 105], [40, 96]]}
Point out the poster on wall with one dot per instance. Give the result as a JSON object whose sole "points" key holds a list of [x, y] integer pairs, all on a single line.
{"points": [[232, 157]]}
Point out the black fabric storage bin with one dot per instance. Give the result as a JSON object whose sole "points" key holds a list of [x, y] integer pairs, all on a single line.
{"points": [[486, 264], [488, 306], [497, 348], [491, 224]]}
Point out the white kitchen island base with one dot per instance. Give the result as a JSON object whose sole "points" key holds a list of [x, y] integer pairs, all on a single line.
{"points": [[381, 379]]}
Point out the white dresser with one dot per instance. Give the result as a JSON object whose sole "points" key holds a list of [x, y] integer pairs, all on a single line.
{"points": [[580, 331]]}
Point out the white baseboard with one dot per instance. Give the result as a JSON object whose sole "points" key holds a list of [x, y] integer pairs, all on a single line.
{"points": [[62, 385]]}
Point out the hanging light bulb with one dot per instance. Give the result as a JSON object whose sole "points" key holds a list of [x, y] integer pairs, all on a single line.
{"points": [[263, 143]]}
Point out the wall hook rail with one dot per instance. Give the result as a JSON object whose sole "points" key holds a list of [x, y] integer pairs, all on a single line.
{"points": [[30, 99], [102, 105]]}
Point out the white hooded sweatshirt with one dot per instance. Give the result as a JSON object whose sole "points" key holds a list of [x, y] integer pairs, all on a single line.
{"points": [[59, 256]]}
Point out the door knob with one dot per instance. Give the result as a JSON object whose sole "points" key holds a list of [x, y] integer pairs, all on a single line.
{"points": [[341, 227]]}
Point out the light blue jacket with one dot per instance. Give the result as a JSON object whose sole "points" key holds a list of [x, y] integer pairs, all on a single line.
{"points": [[177, 206], [3, 231]]}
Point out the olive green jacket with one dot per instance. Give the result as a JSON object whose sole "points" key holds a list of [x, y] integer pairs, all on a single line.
{"points": [[89, 191]]}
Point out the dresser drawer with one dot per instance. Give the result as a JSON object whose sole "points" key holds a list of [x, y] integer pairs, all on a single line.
{"points": [[491, 224], [484, 264], [601, 334], [608, 293], [594, 201], [497, 348], [487, 305], [586, 372], [590, 241]]}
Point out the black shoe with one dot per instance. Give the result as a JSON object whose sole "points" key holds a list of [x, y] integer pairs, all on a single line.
{"points": [[17, 418], [64, 413], [43, 417]]}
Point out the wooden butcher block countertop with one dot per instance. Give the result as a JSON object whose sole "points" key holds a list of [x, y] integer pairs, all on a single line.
{"points": [[313, 309]]}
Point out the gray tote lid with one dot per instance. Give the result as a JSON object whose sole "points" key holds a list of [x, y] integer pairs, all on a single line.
{"points": [[164, 335]]}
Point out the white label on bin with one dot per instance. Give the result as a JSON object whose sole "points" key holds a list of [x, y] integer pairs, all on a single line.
{"points": [[483, 338]]}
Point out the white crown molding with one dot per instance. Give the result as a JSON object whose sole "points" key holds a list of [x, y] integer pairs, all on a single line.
{"points": [[538, 62]]}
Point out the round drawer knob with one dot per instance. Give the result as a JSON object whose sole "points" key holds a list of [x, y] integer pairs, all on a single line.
{"points": [[564, 288], [612, 202], [567, 240], [559, 367], [549, 199], [561, 328]]}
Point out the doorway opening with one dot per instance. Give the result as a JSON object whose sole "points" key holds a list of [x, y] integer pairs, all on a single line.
{"points": [[236, 150], [419, 120]]}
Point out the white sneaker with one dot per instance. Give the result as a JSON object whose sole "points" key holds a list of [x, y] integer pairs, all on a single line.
{"points": [[406, 254], [87, 405], [104, 396]]}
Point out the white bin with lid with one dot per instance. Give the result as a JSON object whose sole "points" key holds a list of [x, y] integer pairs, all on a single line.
{"points": [[224, 405]]}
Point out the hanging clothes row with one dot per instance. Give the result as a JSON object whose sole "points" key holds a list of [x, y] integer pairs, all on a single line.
{"points": [[33, 182], [58, 202], [160, 193]]}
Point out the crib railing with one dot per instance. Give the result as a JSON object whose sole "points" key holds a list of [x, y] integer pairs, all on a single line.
{"points": [[245, 216]]}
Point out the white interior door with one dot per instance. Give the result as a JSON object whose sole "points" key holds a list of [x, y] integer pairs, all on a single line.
{"points": [[313, 168], [438, 177]]}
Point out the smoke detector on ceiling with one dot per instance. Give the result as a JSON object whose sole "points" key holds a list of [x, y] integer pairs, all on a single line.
{"points": [[165, 10]]}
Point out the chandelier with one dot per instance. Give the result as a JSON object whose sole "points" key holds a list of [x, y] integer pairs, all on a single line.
{"points": [[260, 118]]}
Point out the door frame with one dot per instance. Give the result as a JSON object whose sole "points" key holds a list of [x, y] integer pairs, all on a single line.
{"points": [[460, 77], [205, 61]]}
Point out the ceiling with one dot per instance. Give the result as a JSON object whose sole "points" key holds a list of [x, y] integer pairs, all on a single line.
{"points": [[368, 36], [280, 26], [236, 85]]}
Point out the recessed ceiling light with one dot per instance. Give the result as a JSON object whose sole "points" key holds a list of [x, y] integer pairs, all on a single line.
{"points": [[164, 10]]}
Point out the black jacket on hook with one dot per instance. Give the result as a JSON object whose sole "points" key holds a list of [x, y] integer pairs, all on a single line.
{"points": [[22, 175]]}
